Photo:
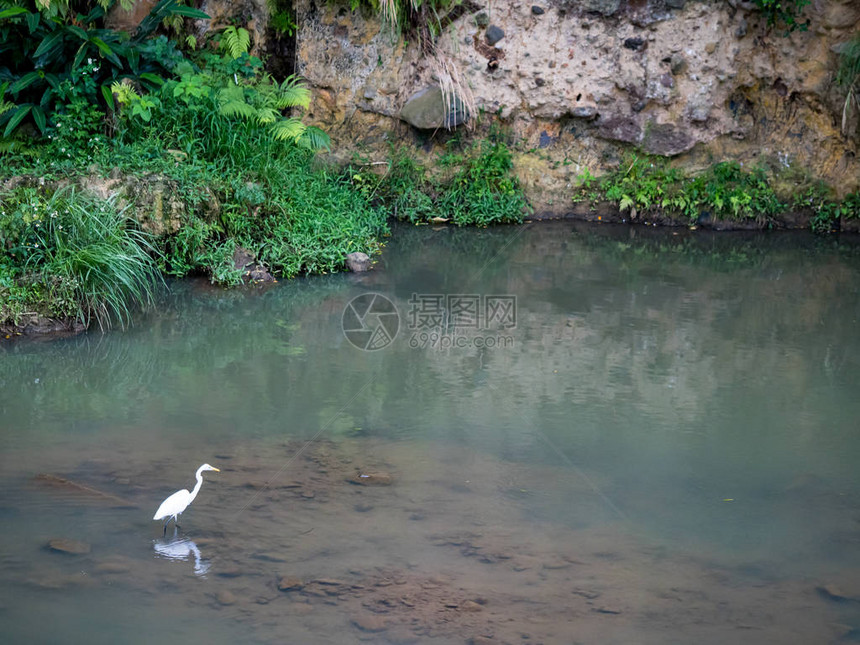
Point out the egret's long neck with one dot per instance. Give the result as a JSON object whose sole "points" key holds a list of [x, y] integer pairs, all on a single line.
{"points": [[197, 487]]}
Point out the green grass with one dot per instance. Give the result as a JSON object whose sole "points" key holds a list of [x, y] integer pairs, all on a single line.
{"points": [[647, 186], [472, 187], [71, 256]]}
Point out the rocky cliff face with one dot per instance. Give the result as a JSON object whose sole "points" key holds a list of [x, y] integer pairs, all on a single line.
{"points": [[580, 81]]}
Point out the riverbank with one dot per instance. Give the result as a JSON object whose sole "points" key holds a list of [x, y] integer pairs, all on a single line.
{"points": [[87, 247]]}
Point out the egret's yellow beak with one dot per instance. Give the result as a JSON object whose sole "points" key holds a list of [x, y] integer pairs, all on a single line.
{"points": [[217, 470]]}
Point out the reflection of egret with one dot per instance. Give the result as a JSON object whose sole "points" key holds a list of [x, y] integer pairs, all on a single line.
{"points": [[181, 549], [173, 506]]}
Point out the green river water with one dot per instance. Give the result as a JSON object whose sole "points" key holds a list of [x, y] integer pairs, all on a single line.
{"points": [[576, 435]]}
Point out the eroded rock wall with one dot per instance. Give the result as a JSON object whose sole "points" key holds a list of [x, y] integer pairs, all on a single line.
{"points": [[580, 81]]}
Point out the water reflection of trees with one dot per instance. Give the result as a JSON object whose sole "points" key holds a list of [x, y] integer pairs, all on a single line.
{"points": [[619, 324], [614, 325]]}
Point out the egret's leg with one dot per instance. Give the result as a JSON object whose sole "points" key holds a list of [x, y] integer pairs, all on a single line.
{"points": [[176, 520]]}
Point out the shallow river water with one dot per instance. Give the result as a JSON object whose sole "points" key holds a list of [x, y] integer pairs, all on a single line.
{"points": [[547, 434]]}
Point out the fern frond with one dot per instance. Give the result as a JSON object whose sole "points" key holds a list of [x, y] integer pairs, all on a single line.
{"points": [[237, 108], [236, 41], [232, 102], [124, 92], [314, 139], [267, 115], [291, 128], [8, 145], [293, 93]]}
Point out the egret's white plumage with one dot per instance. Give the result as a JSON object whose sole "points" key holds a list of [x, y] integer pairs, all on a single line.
{"points": [[174, 505]]}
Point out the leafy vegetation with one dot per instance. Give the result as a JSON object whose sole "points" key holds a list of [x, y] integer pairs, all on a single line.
{"points": [[784, 12], [72, 257], [646, 186], [425, 17], [212, 126], [45, 45], [474, 187]]}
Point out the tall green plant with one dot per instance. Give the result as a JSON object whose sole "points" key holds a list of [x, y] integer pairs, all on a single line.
{"points": [[237, 88], [43, 42], [85, 252]]}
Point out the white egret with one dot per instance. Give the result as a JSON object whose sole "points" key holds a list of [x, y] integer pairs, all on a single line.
{"points": [[174, 505]]}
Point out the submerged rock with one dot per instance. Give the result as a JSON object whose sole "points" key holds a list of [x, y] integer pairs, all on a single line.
{"points": [[371, 624], [288, 583], [81, 491], [225, 597], [66, 545], [838, 593], [471, 606]]}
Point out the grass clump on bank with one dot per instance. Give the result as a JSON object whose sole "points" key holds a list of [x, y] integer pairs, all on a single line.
{"points": [[648, 186], [475, 186], [69, 256]]}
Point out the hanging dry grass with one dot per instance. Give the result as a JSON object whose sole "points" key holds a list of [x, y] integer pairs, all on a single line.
{"points": [[456, 93]]}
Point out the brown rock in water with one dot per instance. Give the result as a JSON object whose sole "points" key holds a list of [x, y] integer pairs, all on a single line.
{"points": [[471, 606], [290, 584], [331, 582], [65, 545], [371, 624], [371, 479], [81, 491], [834, 592], [224, 597]]}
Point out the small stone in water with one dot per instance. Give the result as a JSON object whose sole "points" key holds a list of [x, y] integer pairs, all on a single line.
{"points": [[370, 623], [224, 597], [290, 584], [65, 545]]}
